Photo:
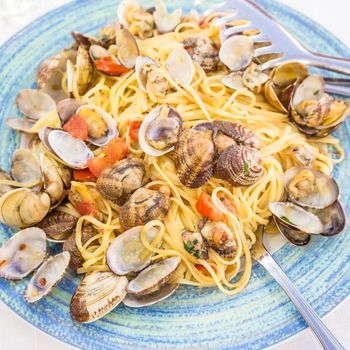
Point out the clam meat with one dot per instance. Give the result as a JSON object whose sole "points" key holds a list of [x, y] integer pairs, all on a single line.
{"points": [[47, 277], [22, 253], [195, 244]]}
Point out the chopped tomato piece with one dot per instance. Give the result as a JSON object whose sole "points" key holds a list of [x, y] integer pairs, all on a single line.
{"points": [[202, 269], [85, 207], [107, 65], [116, 149], [207, 209], [84, 175], [76, 127], [97, 165], [134, 128]]}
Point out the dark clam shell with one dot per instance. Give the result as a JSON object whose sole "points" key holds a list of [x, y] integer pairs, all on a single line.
{"points": [[194, 157], [120, 180], [58, 225], [295, 237], [240, 165], [143, 206], [239, 133]]}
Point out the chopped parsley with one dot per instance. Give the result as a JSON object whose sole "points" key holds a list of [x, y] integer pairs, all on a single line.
{"points": [[189, 246], [195, 241], [287, 220], [316, 92], [246, 168], [196, 254]]}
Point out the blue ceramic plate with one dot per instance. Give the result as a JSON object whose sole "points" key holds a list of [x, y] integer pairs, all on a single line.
{"points": [[192, 318]]}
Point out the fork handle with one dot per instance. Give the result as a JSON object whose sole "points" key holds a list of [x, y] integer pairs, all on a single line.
{"points": [[325, 337], [335, 64]]}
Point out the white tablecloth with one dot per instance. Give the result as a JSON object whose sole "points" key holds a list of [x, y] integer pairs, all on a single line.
{"points": [[15, 333]]}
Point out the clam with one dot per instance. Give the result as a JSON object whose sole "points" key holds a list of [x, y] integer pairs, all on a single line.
{"points": [[165, 21], [5, 188], [295, 237], [159, 131], [234, 81], [35, 104], [239, 133], [84, 40], [136, 301], [195, 244], [154, 276], [21, 124], [72, 151], [80, 192], [296, 218], [302, 155], [149, 77], [70, 69], [84, 70], [22, 207], [67, 108], [203, 51], [219, 237], [194, 157], [76, 259], [143, 206], [107, 35], [237, 52], [101, 126], [127, 254], [180, 66], [47, 277], [127, 48], [308, 187], [97, 295], [253, 78], [22, 253], [120, 180], [25, 166], [58, 225], [240, 165]]}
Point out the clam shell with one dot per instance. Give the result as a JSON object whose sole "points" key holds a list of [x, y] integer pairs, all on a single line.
{"points": [[110, 122], [195, 244], [287, 73], [154, 276], [296, 218], [165, 21], [25, 166], [234, 81], [240, 165], [20, 124], [70, 69], [67, 108], [152, 116], [327, 190], [140, 76], [97, 295], [271, 94], [83, 39], [47, 277], [312, 88], [5, 188], [84, 70], [194, 156], [237, 52], [35, 104], [295, 237], [120, 180], [125, 253], [16, 261], [121, 11], [180, 66], [143, 206], [135, 301], [127, 47]]}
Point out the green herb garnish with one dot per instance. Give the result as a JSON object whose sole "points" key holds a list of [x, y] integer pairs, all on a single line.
{"points": [[189, 246], [195, 241], [246, 168], [287, 220], [316, 92], [196, 254]]}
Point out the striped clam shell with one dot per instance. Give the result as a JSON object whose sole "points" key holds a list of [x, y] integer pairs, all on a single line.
{"points": [[240, 165], [194, 157]]}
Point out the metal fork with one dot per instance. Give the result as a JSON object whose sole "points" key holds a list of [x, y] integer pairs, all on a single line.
{"points": [[282, 45], [323, 334]]}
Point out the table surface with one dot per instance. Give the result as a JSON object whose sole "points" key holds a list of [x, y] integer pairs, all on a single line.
{"points": [[17, 334]]}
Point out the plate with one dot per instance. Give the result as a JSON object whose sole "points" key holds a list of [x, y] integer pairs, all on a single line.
{"points": [[192, 318]]}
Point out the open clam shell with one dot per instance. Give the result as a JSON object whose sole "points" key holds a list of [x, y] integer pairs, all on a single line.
{"points": [[136, 301], [296, 218], [5, 188], [311, 188], [237, 52], [165, 21], [158, 128], [21, 125], [47, 277], [111, 126], [97, 295], [180, 66], [286, 74], [127, 47], [22, 253], [121, 11], [295, 237], [141, 75], [234, 81], [154, 277], [127, 254], [67, 108], [35, 104], [73, 152], [25, 166]]}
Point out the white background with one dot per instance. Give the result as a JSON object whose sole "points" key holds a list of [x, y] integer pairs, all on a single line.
{"points": [[16, 334]]}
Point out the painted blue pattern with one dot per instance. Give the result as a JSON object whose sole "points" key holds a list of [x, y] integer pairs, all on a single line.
{"points": [[192, 318]]}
